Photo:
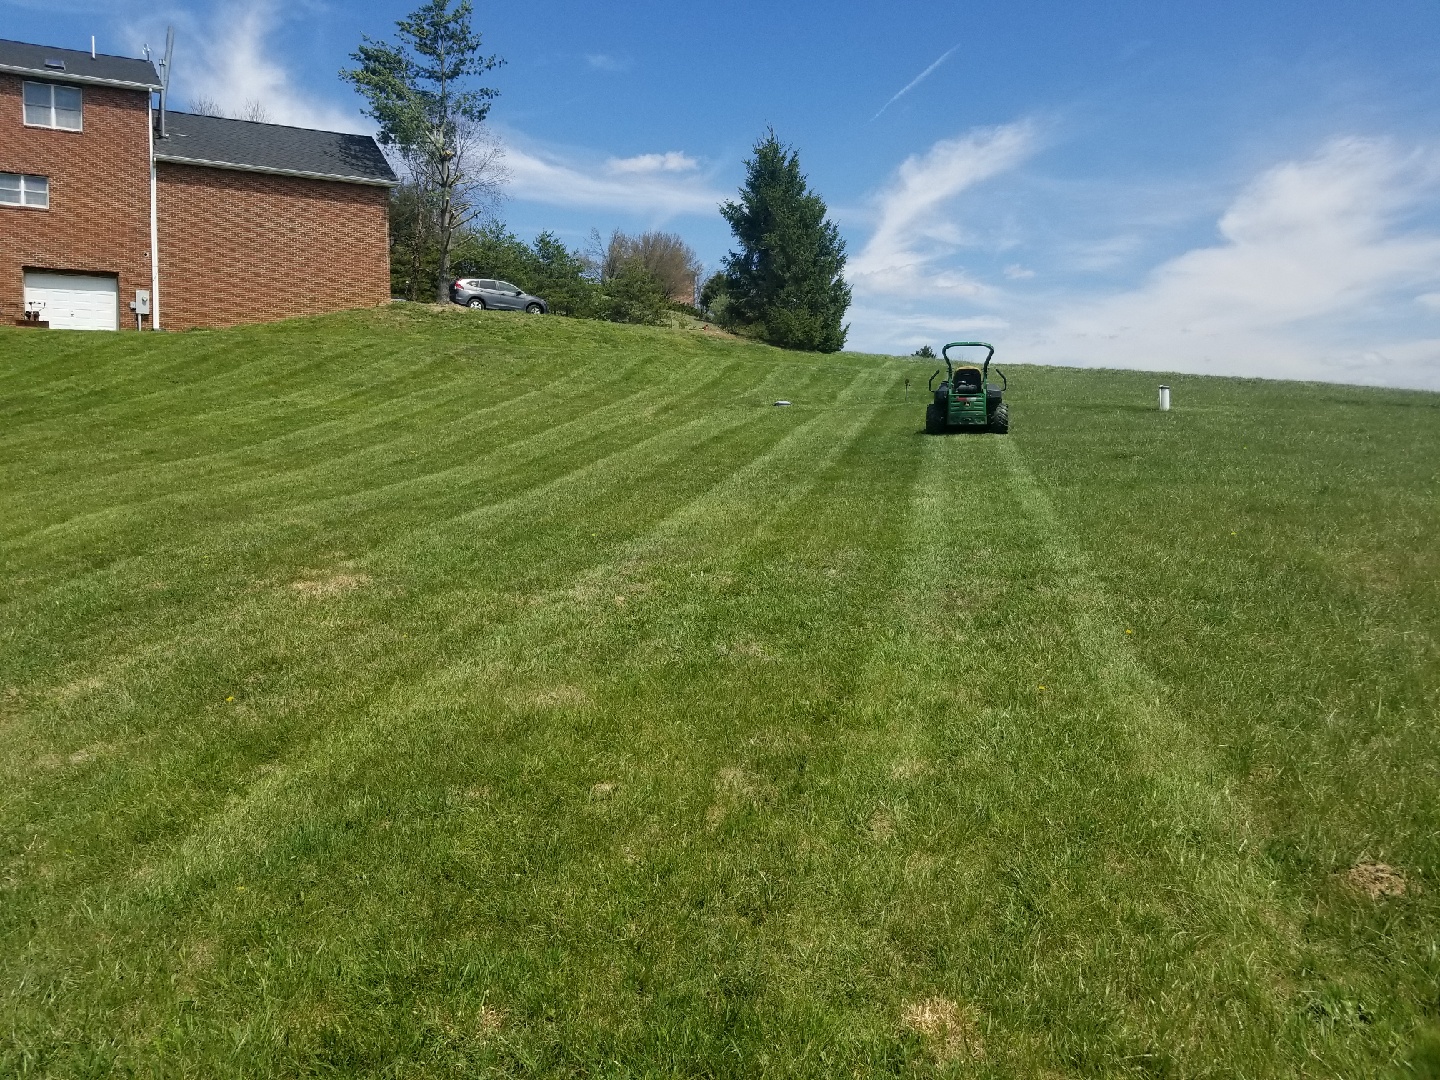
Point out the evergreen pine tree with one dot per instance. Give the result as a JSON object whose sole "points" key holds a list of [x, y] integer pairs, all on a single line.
{"points": [[785, 282]]}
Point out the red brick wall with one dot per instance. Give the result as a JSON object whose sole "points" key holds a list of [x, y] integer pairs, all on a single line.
{"points": [[99, 215], [238, 247]]}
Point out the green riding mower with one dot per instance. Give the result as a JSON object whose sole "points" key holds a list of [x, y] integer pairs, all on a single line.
{"points": [[966, 400]]}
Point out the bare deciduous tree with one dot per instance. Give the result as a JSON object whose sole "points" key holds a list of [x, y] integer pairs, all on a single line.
{"points": [[253, 111], [665, 255]]}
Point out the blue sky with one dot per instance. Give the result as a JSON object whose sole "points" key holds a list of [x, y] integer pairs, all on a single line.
{"points": [[1236, 188]]}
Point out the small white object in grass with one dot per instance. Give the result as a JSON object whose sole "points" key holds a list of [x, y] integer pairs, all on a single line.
{"points": [[1164, 399], [782, 403]]}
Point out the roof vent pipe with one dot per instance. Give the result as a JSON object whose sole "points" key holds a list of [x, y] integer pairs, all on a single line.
{"points": [[165, 75], [92, 46]]}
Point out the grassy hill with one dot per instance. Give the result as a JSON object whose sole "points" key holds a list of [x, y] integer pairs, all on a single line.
{"points": [[410, 694]]}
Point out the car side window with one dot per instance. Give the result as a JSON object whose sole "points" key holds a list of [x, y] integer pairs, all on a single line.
{"points": [[505, 286], [485, 283]]}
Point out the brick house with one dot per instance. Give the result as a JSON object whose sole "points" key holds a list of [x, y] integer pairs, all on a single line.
{"points": [[252, 222]]}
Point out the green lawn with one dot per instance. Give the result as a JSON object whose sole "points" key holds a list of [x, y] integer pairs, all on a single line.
{"points": [[404, 694]]}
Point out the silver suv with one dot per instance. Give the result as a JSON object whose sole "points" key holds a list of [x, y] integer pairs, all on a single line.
{"points": [[489, 293]]}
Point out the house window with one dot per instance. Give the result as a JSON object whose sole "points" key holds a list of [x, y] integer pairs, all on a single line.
{"points": [[21, 189], [52, 106]]}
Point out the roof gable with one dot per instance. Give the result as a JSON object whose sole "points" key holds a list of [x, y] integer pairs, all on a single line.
{"points": [[72, 65], [273, 148]]}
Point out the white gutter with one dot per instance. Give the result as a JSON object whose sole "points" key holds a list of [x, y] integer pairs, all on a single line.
{"points": [[370, 180], [154, 226], [52, 75]]}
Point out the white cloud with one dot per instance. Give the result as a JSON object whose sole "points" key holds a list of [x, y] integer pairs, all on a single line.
{"points": [[671, 161], [659, 194], [1321, 269], [227, 60], [1312, 251], [911, 232]]}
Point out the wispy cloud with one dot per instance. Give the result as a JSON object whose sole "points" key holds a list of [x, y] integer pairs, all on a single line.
{"points": [[606, 62], [1324, 267], [1316, 257], [673, 161], [655, 192], [916, 81], [227, 59], [911, 234]]}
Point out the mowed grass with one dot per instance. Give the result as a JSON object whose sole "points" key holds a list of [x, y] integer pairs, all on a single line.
{"points": [[407, 694]]}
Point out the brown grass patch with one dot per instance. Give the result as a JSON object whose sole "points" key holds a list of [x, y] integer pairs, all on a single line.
{"points": [[1377, 881], [603, 790], [881, 826], [79, 687], [733, 787], [321, 585], [909, 768], [489, 1021], [950, 1031]]}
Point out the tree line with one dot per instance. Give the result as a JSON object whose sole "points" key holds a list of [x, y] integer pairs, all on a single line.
{"points": [[783, 284]]}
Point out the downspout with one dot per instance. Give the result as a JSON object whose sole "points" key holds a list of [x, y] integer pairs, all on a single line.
{"points": [[154, 233]]}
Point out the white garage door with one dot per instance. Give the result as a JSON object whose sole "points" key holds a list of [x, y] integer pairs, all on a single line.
{"points": [[73, 301]]}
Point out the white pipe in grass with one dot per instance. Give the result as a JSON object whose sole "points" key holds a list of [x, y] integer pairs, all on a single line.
{"points": [[1164, 399]]}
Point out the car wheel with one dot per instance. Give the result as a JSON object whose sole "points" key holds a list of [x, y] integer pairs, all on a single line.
{"points": [[534, 309], [476, 304]]}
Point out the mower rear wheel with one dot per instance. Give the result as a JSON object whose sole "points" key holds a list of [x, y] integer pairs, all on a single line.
{"points": [[1000, 420], [934, 419]]}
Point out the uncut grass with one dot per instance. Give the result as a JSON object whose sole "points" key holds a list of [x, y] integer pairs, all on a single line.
{"points": [[681, 735]]}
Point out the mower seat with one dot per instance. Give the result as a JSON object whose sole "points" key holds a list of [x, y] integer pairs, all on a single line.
{"points": [[967, 382]]}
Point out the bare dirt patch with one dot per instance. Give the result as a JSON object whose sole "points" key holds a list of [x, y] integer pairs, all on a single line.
{"points": [[1377, 880], [322, 585], [950, 1031]]}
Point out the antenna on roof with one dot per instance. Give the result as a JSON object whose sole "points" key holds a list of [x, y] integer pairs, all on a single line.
{"points": [[165, 75]]}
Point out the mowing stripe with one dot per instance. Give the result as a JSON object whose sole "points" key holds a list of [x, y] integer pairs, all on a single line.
{"points": [[1169, 750], [247, 823]]}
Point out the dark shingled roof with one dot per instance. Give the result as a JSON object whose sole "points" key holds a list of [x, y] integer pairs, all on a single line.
{"points": [[22, 58], [272, 148]]}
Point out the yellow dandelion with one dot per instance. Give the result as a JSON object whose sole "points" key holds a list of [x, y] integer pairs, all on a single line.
{"points": [[1042, 688], [1129, 631], [230, 698]]}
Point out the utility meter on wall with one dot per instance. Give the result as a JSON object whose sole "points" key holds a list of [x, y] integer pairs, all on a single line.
{"points": [[141, 304]]}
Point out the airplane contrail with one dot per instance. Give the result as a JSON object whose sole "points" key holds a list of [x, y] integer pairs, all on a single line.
{"points": [[915, 82]]}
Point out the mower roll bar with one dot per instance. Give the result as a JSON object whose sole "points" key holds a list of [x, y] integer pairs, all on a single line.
{"points": [[949, 364], [984, 370]]}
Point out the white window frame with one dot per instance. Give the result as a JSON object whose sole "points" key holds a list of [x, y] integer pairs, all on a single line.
{"points": [[50, 87], [30, 190]]}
